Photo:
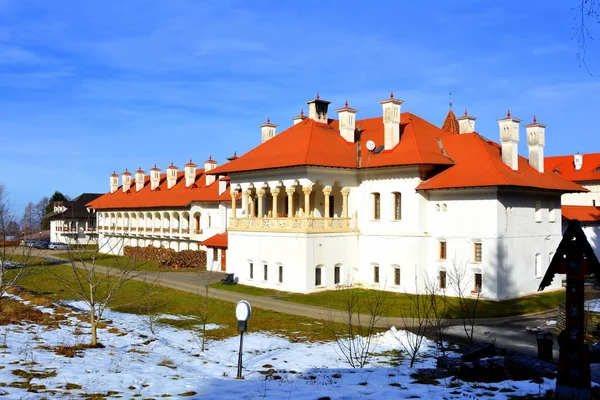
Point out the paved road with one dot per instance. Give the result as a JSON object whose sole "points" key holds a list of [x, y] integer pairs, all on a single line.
{"points": [[508, 332]]}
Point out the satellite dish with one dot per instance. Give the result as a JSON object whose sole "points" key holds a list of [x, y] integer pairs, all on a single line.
{"points": [[370, 145]]}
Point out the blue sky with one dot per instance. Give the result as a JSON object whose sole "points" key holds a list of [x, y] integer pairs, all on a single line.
{"points": [[88, 87]]}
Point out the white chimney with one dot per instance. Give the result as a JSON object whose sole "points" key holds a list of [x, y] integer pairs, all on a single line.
{"points": [[171, 176], [114, 182], [578, 161], [347, 117], [535, 143], [509, 138], [190, 173], [299, 118], [126, 181], [154, 177], [391, 121], [140, 176], [466, 123], [268, 130], [317, 109], [223, 185], [209, 165]]}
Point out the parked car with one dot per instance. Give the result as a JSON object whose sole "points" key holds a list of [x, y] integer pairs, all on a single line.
{"points": [[58, 246], [41, 244], [28, 242]]}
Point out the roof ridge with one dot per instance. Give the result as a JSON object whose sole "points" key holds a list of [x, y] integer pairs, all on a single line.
{"points": [[480, 140]]}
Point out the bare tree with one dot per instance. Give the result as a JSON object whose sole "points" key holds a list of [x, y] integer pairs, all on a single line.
{"points": [[435, 290], [417, 313], [40, 211], [29, 222], [585, 11], [359, 318], [205, 294], [468, 299]]}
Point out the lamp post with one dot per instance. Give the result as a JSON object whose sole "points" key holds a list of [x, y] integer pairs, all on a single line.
{"points": [[243, 311]]}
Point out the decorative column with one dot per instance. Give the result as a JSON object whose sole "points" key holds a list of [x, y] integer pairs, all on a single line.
{"points": [[290, 192], [345, 193], [326, 193], [245, 194], [252, 204], [233, 194], [275, 193], [307, 191], [260, 193]]}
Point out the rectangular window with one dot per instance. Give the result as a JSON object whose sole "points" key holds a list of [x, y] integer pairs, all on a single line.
{"points": [[478, 281], [376, 274], [538, 211], [317, 276], [336, 275], [442, 254], [442, 279], [397, 206], [397, 276], [215, 254], [376, 206], [537, 267], [281, 274], [551, 216], [251, 270], [478, 252], [265, 272]]}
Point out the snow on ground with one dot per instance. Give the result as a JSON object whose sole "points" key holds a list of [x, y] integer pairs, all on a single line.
{"points": [[135, 363]]}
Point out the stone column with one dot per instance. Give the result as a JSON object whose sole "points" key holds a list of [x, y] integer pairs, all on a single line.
{"points": [[233, 195], [275, 193], [345, 193], [252, 204], [290, 192], [245, 194], [260, 193], [307, 191], [326, 193]]}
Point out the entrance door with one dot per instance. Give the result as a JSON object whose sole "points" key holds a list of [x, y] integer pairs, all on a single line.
{"points": [[223, 260]]}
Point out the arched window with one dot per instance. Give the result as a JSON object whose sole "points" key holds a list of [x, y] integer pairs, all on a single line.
{"points": [[375, 273], [397, 206], [538, 265], [280, 273], [437, 207], [250, 269], [396, 271], [376, 206], [337, 274], [538, 211], [319, 279]]}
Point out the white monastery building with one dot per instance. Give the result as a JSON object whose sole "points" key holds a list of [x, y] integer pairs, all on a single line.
{"points": [[71, 222], [385, 202]]}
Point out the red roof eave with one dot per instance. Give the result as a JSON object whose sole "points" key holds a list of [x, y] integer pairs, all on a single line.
{"points": [[219, 241]]}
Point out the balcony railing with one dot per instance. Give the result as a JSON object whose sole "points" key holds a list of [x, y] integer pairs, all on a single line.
{"points": [[306, 225]]}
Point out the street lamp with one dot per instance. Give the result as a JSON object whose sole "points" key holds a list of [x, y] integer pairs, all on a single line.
{"points": [[243, 311]]}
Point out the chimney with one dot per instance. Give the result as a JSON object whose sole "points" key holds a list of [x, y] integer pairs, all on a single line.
{"points": [[268, 130], [114, 182], [317, 109], [509, 138], [347, 117], [126, 181], [299, 118], [466, 123], [190, 173], [578, 161], [223, 185], [209, 165], [535, 143], [154, 177], [171, 176], [391, 121], [140, 176]]}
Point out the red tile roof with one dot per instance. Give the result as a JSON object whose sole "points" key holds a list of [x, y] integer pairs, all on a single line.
{"points": [[581, 213], [478, 162], [565, 167], [177, 196], [450, 124], [318, 144], [218, 240]]}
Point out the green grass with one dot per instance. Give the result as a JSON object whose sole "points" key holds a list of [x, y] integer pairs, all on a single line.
{"points": [[113, 261], [138, 297], [24, 258], [336, 299]]}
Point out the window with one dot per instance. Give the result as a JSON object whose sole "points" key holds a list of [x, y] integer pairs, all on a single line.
{"points": [[478, 252], [376, 273], [397, 206], [537, 268], [397, 276], [376, 206], [209, 221], [444, 207], [594, 203], [478, 282], [336, 274], [251, 270], [265, 272], [281, 274], [331, 207], [442, 254], [437, 207], [442, 278], [551, 216], [215, 254], [318, 281], [538, 211]]}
